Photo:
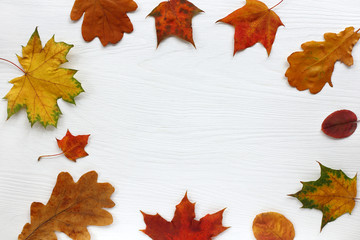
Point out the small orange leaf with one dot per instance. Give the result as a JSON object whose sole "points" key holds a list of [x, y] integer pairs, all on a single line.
{"points": [[70, 209], [253, 23], [72, 146], [313, 67], [183, 226], [106, 20], [273, 226], [174, 17]]}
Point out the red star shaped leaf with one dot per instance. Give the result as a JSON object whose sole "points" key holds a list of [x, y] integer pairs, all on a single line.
{"points": [[72, 146], [183, 226], [254, 23], [174, 18]]}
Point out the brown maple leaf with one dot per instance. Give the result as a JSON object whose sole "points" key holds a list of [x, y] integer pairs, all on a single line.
{"points": [[106, 19], [312, 68], [72, 146], [174, 17], [70, 209], [183, 226], [253, 23]]}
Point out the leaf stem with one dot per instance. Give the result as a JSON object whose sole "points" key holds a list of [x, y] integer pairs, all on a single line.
{"points": [[53, 155], [13, 64], [276, 5], [358, 30]]}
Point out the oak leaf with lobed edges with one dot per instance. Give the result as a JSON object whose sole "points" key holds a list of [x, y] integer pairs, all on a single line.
{"points": [[70, 209]]}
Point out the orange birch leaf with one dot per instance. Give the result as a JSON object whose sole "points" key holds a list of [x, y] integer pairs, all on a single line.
{"points": [[43, 82], [174, 18], [333, 193], [273, 226], [105, 19], [72, 146], [313, 67], [184, 226], [70, 209], [254, 23]]}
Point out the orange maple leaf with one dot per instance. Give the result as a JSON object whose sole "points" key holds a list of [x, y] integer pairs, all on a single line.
{"points": [[313, 67], [72, 146], [105, 19], [253, 23], [174, 17], [183, 226], [273, 226], [70, 209]]}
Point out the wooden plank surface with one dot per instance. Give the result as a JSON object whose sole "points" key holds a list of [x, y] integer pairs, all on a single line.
{"points": [[229, 130]]}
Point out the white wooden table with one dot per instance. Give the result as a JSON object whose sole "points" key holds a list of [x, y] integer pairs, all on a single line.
{"points": [[229, 130]]}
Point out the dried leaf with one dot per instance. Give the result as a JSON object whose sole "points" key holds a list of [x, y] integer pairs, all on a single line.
{"points": [[72, 146], [273, 226], [183, 226], [71, 208], [253, 23], [174, 17], [106, 20], [340, 124], [44, 82], [312, 68], [333, 193]]}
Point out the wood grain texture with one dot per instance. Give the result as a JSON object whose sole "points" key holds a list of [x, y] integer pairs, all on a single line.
{"points": [[229, 130]]}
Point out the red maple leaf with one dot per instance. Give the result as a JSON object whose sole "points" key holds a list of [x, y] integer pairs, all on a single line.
{"points": [[72, 146], [174, 17], [253, 23], [183, 226]]}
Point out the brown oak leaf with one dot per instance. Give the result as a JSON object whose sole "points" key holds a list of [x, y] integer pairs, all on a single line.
{"points": [[313, 67], [105, 19], [70, 209], [174, 17], [183, 226]]}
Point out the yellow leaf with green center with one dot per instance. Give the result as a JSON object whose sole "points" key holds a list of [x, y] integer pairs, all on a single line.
{"points": [[43, 82], [333, 193]]}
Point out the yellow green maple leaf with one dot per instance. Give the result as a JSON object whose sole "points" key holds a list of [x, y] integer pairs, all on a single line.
{"points": [[43, 82], [333, 193]]}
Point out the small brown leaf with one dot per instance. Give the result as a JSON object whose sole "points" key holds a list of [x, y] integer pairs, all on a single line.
{"points": [[273, 226]]}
